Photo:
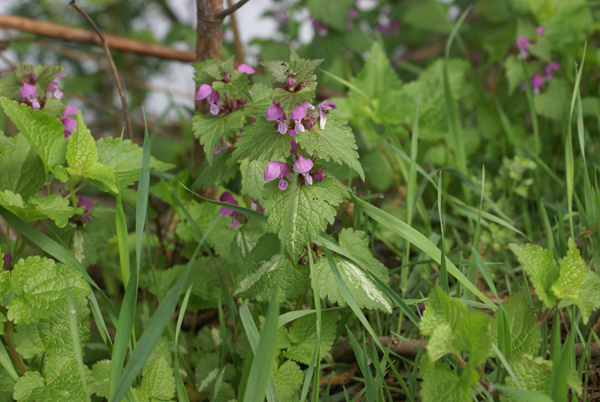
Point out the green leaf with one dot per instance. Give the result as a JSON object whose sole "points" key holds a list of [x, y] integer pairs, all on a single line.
{"points": [[539, 264], [441, 342], [303, 335], [210, 130], [572, 271], [332, 12], [207, 371], [524, 332], [7, 385], [39, 288], [472, 336], [125, 159], [10, 86], [590, 293], [158, 381], [61, 383], [261, 100], [288, 379], [514, 73], [301, 69], [312, 207], [264, 267], [429, 16], [335, 142], [83, 158], [52, 335], [45, 134], [253, 181], [261, 141], [218, 174], [442, 384], [441, 309], [101, 374], [533, 374], [21, 169], [38, 207], [45, 76], [364, 290], [290, 100], [236, 87], [88, 240]]}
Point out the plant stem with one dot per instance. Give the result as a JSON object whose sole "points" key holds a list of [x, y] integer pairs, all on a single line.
{"points": [[8, 337]]}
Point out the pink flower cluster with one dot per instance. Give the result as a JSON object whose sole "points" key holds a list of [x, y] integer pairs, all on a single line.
{"points": [[302, 166], [218, 105], [299, 119], [537, 81], [227, 197]]}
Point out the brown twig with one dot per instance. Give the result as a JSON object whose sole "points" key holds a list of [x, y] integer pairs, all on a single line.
{"points": [[72, 34], [230, 10], [112, 66]]}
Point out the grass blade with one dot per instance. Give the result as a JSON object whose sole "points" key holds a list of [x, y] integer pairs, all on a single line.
{"points": [[179, 385]]}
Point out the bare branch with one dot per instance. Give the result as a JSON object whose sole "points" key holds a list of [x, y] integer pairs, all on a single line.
{"points": [[112, 66], [224, 13]]}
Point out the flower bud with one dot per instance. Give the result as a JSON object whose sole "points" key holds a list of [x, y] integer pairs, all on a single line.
{"points": [[291, 84]]}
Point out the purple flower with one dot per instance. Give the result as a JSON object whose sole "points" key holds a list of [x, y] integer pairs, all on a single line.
{"points": [[69, 123], [318, 176], [217, 150], [291, 84], [225, 212], [214, 99], [297, 115], [204, 91], [6, 258], [276, 113], [540, 30], [319, 27], [388, 27], [28, 92], [53, 89], [87, 204], [523, 45], [303, 166], [323, 109], [536, 83], [244, 68], [553, 66], [353, 13], [294, 147], [63, 74], [276, 170]]}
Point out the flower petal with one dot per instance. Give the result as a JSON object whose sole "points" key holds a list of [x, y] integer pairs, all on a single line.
{"points": [[274, 112], [303, 165], [244, 68], [204, 91], [272, 171]]}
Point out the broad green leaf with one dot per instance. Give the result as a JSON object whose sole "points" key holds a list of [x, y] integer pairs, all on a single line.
{"points": [[264, 267], [539, 264], [590, 293], [125, 159], [39, 288], [236, 87], [208, 70], [514, 73], [7, 385], [442, 384], [10, 86], [335, 142], [524, 331], [52, 335], [162, 349], [441, 309], [253, 181], [158, 381], [572, 271], [261, 141], [101, 375], [219, 173], [87, 241], [290, 100], [226, 394], [210, 130], [472, 336], [312, 208], [441, 342], [61, 383], [364, 290], [207, 371], [301, 69], [45, 75], [288, 379], [333, 13], [304, 340], [21, 169], [533, 374], [45, 134], [83, 158], [261, 100]]}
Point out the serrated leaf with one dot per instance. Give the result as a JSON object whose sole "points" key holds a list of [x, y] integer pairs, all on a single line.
{"points": [[125, 159], [301, 69], [45, 76], [441, 342], [264, 267], [89, 240], [590, 293], [101, 374], [83, 158], [207, 371], [219, 173], [261, 141], [303, 335], [441, 309], [39, 207], [312, 207], [45, 133], [365, 291], [21, 169], [253, 180], [572, 271], [335, 142], [162, 349], [288, 379], [61, 383], [52, 335], [524, 332], [10, 86], [260, 101], [539, 264], [333, 13], [472, 336], [236, 87], [226, 394], [158, 382], [290, 100], [442, 384], [533, 374], [39, 288], [210, 130]]}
